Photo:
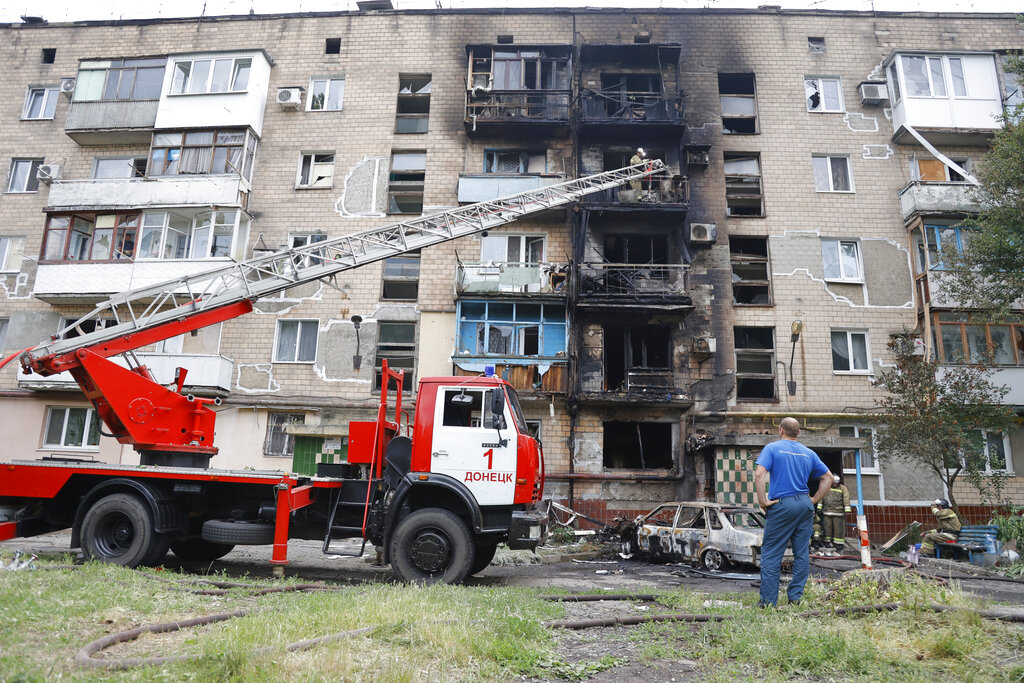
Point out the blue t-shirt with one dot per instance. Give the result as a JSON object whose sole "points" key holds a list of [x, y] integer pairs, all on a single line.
{"points": [[790, 465]]}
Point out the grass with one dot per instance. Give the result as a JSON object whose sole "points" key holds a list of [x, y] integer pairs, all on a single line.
{"points": [[474, 633]]}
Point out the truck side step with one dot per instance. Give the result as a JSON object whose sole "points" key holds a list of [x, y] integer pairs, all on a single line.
{"points": [[337, 502]]}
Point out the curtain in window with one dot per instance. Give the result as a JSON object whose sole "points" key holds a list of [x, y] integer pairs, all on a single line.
{"points": [[840, 352]]}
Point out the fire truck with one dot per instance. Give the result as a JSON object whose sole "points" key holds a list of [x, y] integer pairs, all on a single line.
{"points": [[435, 493]]}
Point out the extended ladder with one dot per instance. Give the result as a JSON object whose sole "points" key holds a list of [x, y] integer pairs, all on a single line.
{"points": [[261, 276]]}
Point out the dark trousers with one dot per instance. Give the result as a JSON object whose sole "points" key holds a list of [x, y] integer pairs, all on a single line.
{"points": [[789, 523]]}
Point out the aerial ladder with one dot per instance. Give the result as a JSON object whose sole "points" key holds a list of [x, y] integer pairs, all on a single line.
{"points": [[169, 428]]}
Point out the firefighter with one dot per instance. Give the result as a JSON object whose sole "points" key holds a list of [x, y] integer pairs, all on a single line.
{"points": [[638, 157], [819, 524], [834, 507], [948, 531]]}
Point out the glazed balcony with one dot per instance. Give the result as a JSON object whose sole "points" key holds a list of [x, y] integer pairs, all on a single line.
{"points": [[514, 278]]}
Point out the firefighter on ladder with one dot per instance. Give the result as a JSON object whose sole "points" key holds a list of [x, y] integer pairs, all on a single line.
{"points": [[639, 157], [948, 531], [835, 505]]}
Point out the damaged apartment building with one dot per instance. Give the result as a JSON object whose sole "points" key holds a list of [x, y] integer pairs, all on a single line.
{"points": [[819, 165]]}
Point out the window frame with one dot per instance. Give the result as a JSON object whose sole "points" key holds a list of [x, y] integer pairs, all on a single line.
{"points": [[91, 420], [849, 333], [327, 80], [829, 159], [821, 90], [313, 163], [391, 349], [948, 84], [289, 440], [413, 99], [120, 232], [406, 182], [31, 181], [385, 278], [874, 467], [159, 168], [120, 66], [469, 327], [51, 95], [741, 259], [239, 235], [6, 247], [1007, 454], [5, 324], [753, 351], [492, 160], [915, 169], [1016, 332], [187, 79], [843, 276], [526, 239], [298, 340], [932, 229], [131, 161], [755, 117], [740, 178]]}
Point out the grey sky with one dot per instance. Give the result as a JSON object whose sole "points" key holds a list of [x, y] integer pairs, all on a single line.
{"points": [[75, 10]]}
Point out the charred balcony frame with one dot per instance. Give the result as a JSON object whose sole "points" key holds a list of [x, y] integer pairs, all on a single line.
{"points": [[512, 89]]}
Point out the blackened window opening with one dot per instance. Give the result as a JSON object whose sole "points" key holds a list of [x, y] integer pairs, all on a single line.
{"points": [[637, 445], [634, 348]]}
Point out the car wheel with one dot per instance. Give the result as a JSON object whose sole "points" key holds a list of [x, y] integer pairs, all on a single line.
{"points": [[628, 548], [118, 529], [431, 546], [713, 559]]}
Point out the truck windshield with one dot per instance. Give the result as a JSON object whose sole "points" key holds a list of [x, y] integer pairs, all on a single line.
{"points": [[517, 410]]}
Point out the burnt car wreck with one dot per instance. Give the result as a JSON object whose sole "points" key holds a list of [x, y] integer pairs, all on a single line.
{"points": [[709, 534]]}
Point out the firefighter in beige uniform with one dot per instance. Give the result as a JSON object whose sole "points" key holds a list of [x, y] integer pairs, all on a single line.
{"points": [[835, 505], [949, 527]]}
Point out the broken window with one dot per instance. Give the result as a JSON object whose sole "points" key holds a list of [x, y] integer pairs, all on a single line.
{"points": [[850, 351], [316, 170], [624, 248], [296, 341], [815, 44], [49, 55], [751, 282], [945, 240], [413, 111], [326, 93], [40, 103], [303, 239], [743, 184], [332, 46], [515, 161], [396, 343], [627, 96], [68, 427], [755, 363], [202, 152], [279, 442], [832, 174], [90, 237], [638, 445], [663, 516], [508, 68], [633, 353], [1013, 88], [933, 170], [405, 186], [841, 260], [524, 249], [505, 328], [200, 76], [824, 94], [867, 456], [22, 176], [739, 103], [401, 277], [82, 328]]}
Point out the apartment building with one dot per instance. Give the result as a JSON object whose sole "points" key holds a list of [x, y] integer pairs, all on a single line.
{"points": [[819, 163]]}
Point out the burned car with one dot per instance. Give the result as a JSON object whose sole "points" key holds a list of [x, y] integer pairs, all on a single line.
{"points": [[711, 534]]}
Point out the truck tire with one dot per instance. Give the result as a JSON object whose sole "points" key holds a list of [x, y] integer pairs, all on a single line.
{"points": [[430, 546], [238, 532], [158, 550], [199, 550], [482, 558], [118, 529]]}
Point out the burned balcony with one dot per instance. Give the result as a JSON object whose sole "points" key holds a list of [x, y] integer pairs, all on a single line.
{"points": [[663, 287], [512, 278], [528, 380], [513, 89], [615, 106], [662, 193]]}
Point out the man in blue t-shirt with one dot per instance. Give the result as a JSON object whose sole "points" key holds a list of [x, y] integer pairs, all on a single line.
{"points": [[789, 509]]}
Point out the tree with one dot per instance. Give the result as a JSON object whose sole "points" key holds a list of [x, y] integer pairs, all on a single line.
{"points": [[989, 276], [932, 415]]}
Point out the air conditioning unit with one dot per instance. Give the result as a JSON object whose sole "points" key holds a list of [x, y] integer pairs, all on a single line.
{"points": [[703, 233], [704, 347], [289, 98], [67, 86], [873, 92], [47, 173]]}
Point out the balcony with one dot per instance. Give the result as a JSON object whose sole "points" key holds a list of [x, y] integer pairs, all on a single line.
{"points": [[632, 110], [529, 379], [1011, 377], [516, 278], [931, 198], [207, 374], [92, 282], [487, 186], [509, 112], [111, 122], [669, 193], [655, 287], [140, 193]]}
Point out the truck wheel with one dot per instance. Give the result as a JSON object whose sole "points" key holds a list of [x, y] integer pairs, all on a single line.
{"points": [[713, 559], [118, 529], [431, 546], [238, 532], [482, 558], [199, 550], [157, 550]]}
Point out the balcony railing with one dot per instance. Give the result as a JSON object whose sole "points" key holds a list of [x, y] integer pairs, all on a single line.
{"points": [[505, 277], [206, 372], [632, 280], [660, 192], [928, 197], [85, 282], [133, 193], [631, 107], [527, 378], [516, 107], [111, 122]]}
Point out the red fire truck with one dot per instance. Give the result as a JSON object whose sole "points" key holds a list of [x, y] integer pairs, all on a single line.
{"points": [[436, 493]]}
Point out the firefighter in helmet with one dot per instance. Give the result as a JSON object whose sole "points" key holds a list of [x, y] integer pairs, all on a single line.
{"points": [[948, 530], [639, 157], [834, 507]]}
